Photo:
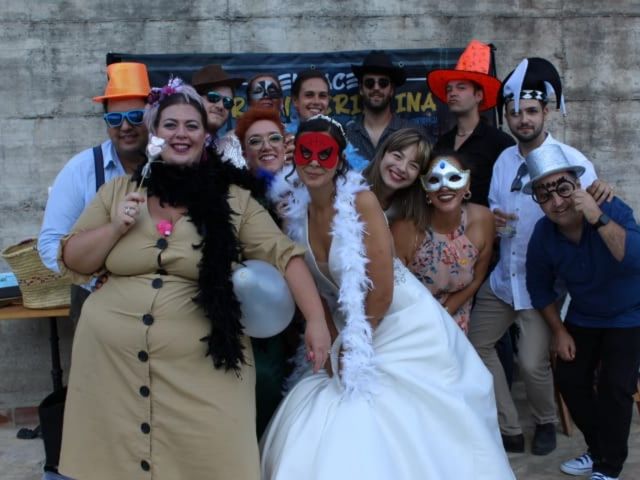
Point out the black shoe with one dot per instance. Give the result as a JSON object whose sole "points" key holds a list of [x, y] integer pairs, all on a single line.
{"points": [[544, 440], [513, 443]]}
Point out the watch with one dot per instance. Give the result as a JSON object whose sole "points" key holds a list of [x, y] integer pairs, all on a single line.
{"points": [[602, 221]]}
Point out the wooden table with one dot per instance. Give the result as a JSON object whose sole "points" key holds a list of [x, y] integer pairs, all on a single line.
{"points": [[19, 312]]}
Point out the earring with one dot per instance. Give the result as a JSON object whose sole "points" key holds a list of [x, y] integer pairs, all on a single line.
{"points": [[467, 195], [428, 199]]}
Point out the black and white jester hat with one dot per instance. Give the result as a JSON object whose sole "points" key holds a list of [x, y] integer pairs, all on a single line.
{"points": [[533, 79]]}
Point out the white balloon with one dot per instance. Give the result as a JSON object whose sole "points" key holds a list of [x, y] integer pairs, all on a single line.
{"points": [[266, 302]]}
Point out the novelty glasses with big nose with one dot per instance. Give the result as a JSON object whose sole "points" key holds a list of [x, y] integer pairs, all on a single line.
{"points": [[115, 119], [443, 174], [316, 146], [563, 188]]}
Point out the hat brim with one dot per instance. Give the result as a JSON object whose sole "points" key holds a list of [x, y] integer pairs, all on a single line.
{"points": [[577, 169], [121, 96], [397, 75], [233, 83], [437, 81]]}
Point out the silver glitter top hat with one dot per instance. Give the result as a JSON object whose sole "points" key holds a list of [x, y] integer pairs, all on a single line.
{"points": [[545, 160]]}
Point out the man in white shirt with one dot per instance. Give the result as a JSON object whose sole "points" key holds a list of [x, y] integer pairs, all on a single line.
{"points": [[503, 299], [75, 186]]}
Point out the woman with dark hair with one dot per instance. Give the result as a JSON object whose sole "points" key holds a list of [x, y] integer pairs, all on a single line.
{"points": [[264, 91], [404, 395], [162, 381], [450, 253]]}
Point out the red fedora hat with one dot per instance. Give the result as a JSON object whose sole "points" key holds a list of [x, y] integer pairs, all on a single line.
{"points": [[473, 66]]}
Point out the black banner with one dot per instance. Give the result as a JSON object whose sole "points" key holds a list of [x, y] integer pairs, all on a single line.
{"points": [[412, 100]]}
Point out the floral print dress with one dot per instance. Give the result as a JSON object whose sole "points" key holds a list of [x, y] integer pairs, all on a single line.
{"points": [[444, 263]]}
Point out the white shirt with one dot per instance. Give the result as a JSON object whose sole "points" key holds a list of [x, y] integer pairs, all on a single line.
{"points": [[72, 191], [508, 279]]}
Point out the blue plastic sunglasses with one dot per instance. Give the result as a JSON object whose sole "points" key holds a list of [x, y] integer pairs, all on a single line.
{"points": [[115, 119]]}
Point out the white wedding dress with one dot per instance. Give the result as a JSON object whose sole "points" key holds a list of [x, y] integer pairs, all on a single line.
{"points": [[432, 414]]}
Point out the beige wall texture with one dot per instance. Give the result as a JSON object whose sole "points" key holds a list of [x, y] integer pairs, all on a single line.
{"points": [[52, 57]]}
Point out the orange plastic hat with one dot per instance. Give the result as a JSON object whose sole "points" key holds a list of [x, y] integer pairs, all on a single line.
{"points": [[126, 80], [473, 65]]}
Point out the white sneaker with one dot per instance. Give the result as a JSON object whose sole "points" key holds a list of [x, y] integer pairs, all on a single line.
{"points": [[601, 476], [581, 465]]}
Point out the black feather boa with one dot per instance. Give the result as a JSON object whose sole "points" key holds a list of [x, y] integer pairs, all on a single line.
{"points": [[203, 189]]}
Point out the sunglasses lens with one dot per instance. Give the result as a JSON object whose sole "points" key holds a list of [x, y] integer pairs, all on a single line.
{"points": [[227, 102], [371, 82], [135, 117], [213, 97], [113, 119]]}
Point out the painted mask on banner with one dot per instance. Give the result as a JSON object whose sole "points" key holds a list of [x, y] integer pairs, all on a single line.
{"points": [[317, 146], [265, 89], [444, 174]]}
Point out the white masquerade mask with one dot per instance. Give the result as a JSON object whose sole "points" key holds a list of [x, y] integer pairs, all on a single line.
{"points": [[443, 174]]}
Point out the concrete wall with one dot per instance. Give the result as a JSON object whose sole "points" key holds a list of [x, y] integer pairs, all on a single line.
{"points": [[52, 62]]}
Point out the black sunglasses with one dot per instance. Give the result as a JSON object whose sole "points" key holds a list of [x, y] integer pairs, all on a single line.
{"points": [[371, 82], [115, 119], [215, 97]]}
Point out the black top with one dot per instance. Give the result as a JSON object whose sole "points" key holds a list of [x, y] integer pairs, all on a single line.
{"points": [[359, 137], [481, 150]]}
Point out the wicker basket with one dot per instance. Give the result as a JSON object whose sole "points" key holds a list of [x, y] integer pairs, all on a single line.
{"points": [[40, 287]]}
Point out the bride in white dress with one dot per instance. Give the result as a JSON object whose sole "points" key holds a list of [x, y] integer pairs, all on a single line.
{"points": [[409, 399]]}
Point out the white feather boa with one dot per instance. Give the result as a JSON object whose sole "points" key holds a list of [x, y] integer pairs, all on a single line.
{"points": [[347, 230]]}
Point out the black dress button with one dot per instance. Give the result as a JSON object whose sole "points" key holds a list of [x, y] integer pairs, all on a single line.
{"points": [[148, 319], [157, 283], [145, 465], [144, 391], [143, 356], [162, 243], [145, 427]]}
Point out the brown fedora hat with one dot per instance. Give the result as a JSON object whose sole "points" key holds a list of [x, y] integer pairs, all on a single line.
{"points": [[380, 62], [211, 76]]}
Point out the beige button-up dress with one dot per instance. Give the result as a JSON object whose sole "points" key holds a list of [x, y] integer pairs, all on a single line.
{"points": [[143, 400]]}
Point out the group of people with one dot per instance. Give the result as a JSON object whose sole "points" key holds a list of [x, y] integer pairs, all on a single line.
{"points": [[406, 274]]}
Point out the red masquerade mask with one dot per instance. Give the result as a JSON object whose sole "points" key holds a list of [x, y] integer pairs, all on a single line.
{"points": [[316, 146]]}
